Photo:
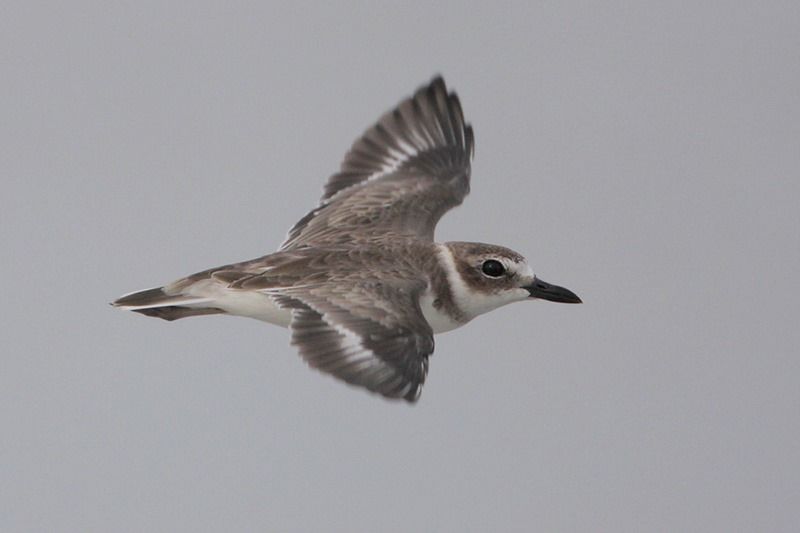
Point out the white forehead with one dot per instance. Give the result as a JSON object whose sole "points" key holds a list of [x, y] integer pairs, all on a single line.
{"points": [[519, 267], [527, 271]]}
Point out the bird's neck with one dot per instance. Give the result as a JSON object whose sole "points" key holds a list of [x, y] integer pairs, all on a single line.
{"points": [[439, 303]]}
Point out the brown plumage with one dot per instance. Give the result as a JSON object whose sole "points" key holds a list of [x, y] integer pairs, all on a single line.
{"points": [[359, 280]]}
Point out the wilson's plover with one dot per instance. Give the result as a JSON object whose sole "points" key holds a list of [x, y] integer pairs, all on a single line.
{"points": [[359, 280]]}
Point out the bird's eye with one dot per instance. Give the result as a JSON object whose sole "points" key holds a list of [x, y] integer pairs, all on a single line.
{"points": [[493, 269]]}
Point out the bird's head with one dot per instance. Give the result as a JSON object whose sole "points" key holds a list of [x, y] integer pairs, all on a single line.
{"points": [[486, 276]]}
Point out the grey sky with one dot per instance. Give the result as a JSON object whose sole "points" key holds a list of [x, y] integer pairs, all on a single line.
{"points": [[644, 155]]}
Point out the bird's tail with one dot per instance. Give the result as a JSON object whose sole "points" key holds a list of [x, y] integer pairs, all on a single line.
{"points": [[158, 303]]}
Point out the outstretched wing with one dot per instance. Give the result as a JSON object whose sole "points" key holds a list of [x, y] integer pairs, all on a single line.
{"points": [[398, 179], [372, 335]]}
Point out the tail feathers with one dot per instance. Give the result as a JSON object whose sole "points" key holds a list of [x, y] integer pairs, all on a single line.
{"points": [[157, 303], [174, 312]]}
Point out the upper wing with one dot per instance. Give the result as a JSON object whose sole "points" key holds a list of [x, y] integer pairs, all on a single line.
{"points": [[398, 179], [371, 334]]}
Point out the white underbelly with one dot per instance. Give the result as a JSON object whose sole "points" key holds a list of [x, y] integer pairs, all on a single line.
{"points": [[254, 305], [250, 304], [262, 307]]}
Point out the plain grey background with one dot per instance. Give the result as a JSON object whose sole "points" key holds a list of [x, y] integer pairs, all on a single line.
{"points": [[645, 155]]}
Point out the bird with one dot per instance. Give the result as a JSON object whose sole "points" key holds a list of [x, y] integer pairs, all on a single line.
{"points": [[360, 281]]}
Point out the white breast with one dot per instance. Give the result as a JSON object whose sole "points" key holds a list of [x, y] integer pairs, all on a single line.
{"points": [[438, 320]]}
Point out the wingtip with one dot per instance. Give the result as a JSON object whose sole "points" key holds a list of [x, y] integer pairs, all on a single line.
{"points": [[438, 82], [413, 397]]}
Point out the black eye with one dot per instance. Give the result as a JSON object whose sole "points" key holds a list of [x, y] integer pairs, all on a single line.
{"points": [[493, 268]]}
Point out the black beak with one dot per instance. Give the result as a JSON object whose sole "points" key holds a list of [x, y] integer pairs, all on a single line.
{"points": [[554, 293]]}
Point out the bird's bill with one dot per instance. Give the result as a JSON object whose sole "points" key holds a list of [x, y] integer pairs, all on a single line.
{"points": [[545, 291]]}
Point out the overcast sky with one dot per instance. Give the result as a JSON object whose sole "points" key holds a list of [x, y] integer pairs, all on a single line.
{"points": [[646, 156]]}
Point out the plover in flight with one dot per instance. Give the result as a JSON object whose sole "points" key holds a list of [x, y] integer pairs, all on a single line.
{"points": [[359, 281]]}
